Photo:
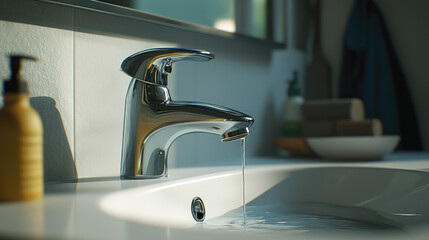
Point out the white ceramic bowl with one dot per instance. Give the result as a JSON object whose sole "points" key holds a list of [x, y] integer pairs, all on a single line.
{"points": [[353, 148]]}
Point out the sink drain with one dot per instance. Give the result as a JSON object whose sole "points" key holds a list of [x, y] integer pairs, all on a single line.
{"points": [[197, 209]]}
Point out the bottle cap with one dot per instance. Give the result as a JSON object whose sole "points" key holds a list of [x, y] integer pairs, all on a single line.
{"points": [[16, 84]]}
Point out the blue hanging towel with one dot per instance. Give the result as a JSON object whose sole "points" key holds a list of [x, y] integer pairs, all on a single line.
{"points": [[371, 72]]}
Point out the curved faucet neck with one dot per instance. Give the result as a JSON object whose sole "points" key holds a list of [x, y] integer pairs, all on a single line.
{"points": [[152, 122]]}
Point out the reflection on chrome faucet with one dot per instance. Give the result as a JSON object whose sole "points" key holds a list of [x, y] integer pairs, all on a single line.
{"points": [[153, 120]]}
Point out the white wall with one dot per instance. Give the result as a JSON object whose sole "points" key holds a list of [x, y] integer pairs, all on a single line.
{"points": [[407, 23], [80, 54], [50, 78]]}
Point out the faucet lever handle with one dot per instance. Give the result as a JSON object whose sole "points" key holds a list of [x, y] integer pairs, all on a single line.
{"points": [[154, 65]]}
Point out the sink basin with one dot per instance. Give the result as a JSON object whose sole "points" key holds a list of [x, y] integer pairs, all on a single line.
{"points": [[341, 197], [286, 199]]}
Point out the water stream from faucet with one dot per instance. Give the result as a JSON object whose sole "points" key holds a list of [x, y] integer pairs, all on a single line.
{"points": [[243, 165]]}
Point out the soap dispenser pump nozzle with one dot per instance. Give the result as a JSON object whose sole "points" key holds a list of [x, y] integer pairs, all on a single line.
{"points": [[294, 89], [16, 84]]}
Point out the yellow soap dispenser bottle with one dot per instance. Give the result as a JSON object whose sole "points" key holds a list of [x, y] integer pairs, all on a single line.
{"points": [[21, 140]]}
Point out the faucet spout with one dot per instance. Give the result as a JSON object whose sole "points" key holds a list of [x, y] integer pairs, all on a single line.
{"points": [[153, 122], [234, 135]]}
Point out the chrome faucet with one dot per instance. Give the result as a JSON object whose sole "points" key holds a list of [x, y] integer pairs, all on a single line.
{"points": [[153, 120]]}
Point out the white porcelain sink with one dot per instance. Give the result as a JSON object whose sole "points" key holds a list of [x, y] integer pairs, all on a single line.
{"points": [[288, 199], [391, 200]]}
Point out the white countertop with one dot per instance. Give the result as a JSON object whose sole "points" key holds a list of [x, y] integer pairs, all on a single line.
{"points": [[72, 210]]}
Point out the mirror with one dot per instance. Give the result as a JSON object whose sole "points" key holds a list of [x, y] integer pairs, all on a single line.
{"points": [[260, 19]]}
